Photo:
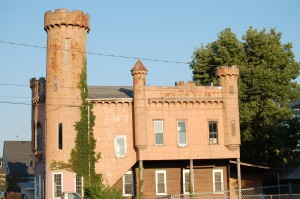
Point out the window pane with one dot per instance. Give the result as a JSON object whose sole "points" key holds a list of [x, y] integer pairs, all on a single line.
{"points": [[158, 125], [128, 184], [218, 181], [79, 183], [159, 138], [181, 126], [182, 138], [186, 182], [213, 132], [160, 183], [57, 185], [120, 146], [212, 126]]}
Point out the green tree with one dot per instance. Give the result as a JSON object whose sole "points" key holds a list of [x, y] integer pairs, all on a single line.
{"points": [[267, 68], [3, 181]]}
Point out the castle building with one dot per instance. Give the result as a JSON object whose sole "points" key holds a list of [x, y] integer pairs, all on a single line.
{"points": [[155, 140]]}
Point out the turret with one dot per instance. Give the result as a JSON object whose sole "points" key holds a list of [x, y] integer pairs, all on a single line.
{"points": [[228, 78], [66, 56], [139, 73]]}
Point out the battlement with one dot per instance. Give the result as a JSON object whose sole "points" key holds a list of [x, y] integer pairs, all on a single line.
{"points": [[63, 17], [227, 70], [183, 84]]}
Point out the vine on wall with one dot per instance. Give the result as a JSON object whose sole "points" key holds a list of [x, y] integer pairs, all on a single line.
{"points": [[83, 157]]}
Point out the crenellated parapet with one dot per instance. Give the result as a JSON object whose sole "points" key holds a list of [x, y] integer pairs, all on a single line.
{"points": [[227, 70], [38, 89], [63, 17]]}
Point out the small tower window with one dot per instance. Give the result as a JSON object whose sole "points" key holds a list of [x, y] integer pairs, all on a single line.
{"points": [[55, 82], [39, 137], [233, 128], [60, 136], [67, 50]]}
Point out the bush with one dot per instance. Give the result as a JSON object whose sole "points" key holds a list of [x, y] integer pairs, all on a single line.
{"points": [[14, 195], [102, 193]]}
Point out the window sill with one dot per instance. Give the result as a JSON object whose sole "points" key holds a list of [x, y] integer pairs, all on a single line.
{"points": [[218, 192], [161, 194], [159, 145], [123, 156], [182, 145]]}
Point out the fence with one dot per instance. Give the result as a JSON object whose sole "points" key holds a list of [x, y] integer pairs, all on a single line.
{"points": [[270, 192]]}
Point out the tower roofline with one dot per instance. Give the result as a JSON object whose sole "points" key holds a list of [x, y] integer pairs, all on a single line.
{"points": [[64, 17], [139, 66]]}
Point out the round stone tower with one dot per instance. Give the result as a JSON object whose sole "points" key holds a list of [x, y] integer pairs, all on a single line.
{"points": [[66, 55], [139, 73], [228, 79]]}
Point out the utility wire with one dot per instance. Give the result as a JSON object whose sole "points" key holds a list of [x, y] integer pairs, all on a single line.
{"points": [[100, 54]]}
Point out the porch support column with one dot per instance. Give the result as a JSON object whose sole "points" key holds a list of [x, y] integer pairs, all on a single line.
{"points": [[191, 176], [141, 179], [238, 165]]}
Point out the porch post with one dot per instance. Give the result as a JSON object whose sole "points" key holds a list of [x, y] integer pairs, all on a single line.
{"points": [[191, 176], [239, 177], [141, 180]]}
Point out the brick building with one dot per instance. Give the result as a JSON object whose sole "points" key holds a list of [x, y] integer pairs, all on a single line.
{"points": [[174, 139]]}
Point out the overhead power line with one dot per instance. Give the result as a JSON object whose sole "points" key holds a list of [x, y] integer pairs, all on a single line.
{"points": [[100, 54]]}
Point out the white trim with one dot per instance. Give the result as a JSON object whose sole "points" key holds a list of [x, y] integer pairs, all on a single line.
{"points": [[222, 181], [165, 182], [123, 185], [62, 187], [117, 152]]}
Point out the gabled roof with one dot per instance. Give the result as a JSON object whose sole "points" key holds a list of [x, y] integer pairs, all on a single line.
{"points": [[19, 158], [110, 92]]}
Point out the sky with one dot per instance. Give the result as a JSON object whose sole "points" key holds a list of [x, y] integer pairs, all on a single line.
{"points": [[168, 30]]}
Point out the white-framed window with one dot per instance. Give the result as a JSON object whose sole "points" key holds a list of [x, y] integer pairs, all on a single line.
{"points": [[128, 185], [57, 179], [186, 181], [213, 132], [218, 184], [79, 184], [120, 145], [160, 182], [181, 128], [159, 132]]}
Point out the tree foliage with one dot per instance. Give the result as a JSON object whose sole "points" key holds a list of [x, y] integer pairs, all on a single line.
{"points": [[267, 68]]}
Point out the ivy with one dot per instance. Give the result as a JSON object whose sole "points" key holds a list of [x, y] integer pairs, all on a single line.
{"points": [[83, 157]]}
